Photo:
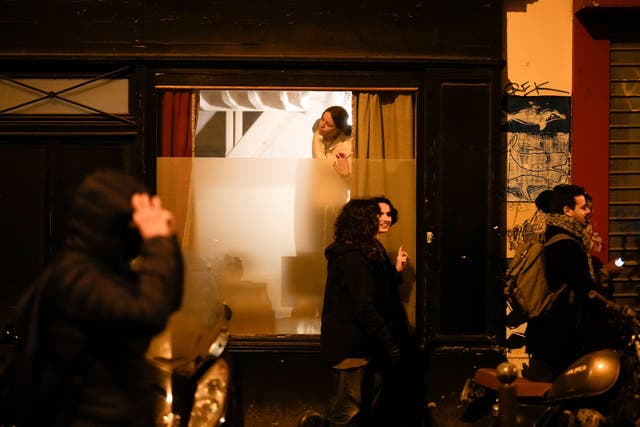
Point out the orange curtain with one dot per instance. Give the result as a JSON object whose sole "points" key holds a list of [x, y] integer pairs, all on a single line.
{"points": [[175, 160], [178, 123], [386, 164]]}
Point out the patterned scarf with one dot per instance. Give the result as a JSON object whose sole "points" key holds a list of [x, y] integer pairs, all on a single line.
{"points": [[575, 229]]}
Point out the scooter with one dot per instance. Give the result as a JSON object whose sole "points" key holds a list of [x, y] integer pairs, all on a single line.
{"points": [[194, 386], [194, 381], [601, 388]]}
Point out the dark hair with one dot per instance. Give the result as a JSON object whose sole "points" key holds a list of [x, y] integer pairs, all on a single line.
{"points": [[565, 195], [543, 201], [393, 211], [357, 224], [340, 118]]}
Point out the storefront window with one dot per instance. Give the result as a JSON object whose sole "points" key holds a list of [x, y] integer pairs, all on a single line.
{"points": [[256, 207]]}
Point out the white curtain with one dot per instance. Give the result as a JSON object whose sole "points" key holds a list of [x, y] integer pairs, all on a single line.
{"points": [[253, 100]]}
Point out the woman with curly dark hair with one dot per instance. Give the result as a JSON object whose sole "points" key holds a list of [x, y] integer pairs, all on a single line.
{"points": [[357, 224], [361, 317]]}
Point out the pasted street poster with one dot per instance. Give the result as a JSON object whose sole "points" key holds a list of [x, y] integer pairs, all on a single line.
{"points": [[538, 153]]}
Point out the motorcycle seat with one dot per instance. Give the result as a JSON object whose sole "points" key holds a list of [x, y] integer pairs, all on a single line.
{"points": [[488, 377]]}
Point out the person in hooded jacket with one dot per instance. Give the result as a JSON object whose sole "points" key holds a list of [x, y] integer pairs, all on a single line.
{"points": [[112, 287], [364, 333]]}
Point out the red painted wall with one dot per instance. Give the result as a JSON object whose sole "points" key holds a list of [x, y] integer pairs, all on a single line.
{"points": [[590, 121], [590, 97]]}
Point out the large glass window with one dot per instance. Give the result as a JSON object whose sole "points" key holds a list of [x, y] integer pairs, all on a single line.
{"points": [[256, 206]]}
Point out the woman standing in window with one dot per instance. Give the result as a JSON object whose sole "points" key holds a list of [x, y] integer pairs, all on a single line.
{"points": [[332, 139]]}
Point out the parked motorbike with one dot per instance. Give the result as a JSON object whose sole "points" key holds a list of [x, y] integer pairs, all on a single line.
{"points": [[599, 389], [193, 376], [194, 385]]}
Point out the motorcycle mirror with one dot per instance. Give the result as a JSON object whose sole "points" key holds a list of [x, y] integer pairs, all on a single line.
{"points": [[227, 311]]}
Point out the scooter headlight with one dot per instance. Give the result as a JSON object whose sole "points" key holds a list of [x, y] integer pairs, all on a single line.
{"points": [[209, 402]]}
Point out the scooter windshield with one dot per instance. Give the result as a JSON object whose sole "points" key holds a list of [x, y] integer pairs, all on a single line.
{"points": [[199, 322]]}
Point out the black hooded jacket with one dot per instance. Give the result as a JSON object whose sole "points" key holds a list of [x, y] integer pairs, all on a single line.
{"points": [[100, 311], [363, 315]]}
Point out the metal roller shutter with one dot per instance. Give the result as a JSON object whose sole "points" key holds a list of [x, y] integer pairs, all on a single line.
{"points": [[624, 168]]}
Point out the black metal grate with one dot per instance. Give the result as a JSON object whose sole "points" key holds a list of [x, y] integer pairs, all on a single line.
{"points": [[624, 168]]}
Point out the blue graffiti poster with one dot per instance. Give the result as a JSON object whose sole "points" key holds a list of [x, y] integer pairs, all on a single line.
{"points": [[538, 144]]}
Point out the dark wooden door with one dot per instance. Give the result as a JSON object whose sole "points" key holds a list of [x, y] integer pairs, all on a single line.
{"points": [[37, 178]]}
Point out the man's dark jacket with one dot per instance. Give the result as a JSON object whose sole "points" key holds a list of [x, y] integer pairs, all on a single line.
{"points": [[574, 325]]}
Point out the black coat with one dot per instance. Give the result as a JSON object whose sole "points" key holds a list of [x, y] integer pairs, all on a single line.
{"points": [[99, 311], [574, 325], [362, 315]]}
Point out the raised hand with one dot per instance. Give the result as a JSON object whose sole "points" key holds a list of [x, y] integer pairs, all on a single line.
{"points": [[402, 258], [150, 217]]}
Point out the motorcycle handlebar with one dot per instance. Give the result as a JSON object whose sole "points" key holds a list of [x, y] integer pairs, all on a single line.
{"points": [[624, 310]]}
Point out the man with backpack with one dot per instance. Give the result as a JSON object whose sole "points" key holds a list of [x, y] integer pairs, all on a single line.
{"points": [[574, 325]]}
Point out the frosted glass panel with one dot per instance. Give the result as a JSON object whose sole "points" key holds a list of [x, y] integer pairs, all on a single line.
{"points": [[261, 226]]}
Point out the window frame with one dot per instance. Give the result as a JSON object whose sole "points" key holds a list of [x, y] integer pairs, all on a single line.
{"points": [[409, 80]]}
